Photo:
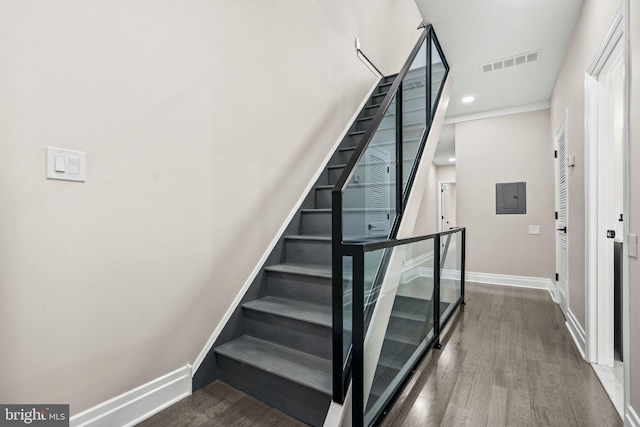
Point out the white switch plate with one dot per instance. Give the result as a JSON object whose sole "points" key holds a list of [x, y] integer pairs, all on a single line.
{"points": [[534, 229], [74, 164]]}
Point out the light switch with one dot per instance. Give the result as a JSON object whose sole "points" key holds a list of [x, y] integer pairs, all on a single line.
{"points": [[74, 165], [633, 245], [534, 229], [65, 164], [59, 164]]}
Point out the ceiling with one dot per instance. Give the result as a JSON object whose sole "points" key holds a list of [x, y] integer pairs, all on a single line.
{"points": [[474, 33]]}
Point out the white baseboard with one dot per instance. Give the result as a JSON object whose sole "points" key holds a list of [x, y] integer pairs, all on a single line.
{"points": [[631, 418], [577, 332], [553, 291], [218, 329], [506, 280], [137, 405]]}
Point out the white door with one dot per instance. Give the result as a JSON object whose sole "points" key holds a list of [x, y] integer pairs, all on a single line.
{"points": [[378, 212], [447, 205], [562, 270]]}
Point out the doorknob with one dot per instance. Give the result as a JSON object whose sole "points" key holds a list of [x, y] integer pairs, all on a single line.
{"points": [[563, 229]]}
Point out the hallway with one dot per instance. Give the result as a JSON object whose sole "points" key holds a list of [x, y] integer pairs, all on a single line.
{"points": [[507, 359]]}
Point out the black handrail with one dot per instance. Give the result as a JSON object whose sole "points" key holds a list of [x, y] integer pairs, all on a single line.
{"points": [[377, 119]]}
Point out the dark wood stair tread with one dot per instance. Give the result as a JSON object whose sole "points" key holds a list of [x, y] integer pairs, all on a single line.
{"points": [[292, 309], [296, 366]]}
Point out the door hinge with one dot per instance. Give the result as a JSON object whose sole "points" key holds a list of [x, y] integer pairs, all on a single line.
{"points": [[557, 277], [556, 215], [555, 154]]}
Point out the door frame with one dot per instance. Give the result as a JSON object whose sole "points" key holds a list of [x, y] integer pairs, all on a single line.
{"points": [[440, 225], [598, 208]]}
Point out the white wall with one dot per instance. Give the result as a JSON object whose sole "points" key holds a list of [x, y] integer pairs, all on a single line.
{"points": [[568, 95], [202, 122], [593, 24], [511, 148], [427, 220], [447, 173]]}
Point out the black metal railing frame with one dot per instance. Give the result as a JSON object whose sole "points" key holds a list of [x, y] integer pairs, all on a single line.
{"points": [[357, 251], [341, 367]]}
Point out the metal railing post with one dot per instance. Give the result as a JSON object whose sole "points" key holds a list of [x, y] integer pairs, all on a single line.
{"points": [[357, 368], [436, 291]]}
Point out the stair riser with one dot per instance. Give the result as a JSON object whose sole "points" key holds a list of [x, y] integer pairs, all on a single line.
{"points": [[345, 156], [341, 157], [352, 140], [363, 124], [308, 252], [395, 353], [412, 329], [301, 402], [323, 198], [307, 337], [383, 377], [371, 110], [311, 289], [334, 175], [384, 88], [378, 97], [316, 223]]}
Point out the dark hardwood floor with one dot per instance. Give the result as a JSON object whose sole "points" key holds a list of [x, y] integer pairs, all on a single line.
{"points": [[507, 360], [219, 404]]}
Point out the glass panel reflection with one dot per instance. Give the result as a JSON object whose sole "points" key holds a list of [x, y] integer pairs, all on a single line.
{"points": [[437, 74], [414, 111], [369, 199], [450, 273], [401, 326]]}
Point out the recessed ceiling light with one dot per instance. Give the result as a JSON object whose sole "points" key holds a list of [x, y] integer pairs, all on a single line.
{"points": [[468, 99], [452, 159]]}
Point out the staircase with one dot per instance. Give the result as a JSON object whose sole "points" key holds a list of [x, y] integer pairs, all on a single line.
{"points": [[278, 348]]}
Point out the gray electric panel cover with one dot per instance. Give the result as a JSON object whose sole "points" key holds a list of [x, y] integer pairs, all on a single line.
{"points": [[511, 198]]}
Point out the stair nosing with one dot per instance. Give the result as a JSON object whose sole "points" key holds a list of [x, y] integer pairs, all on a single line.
{"points": [[302, 269], [308, 237], [318, 210], [336, 166]]}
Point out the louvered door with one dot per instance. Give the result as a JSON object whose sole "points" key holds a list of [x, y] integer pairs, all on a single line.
{"points": [[562, 260]]}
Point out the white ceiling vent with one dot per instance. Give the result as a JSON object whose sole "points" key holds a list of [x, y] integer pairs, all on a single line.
{"points": [[523, 58]]}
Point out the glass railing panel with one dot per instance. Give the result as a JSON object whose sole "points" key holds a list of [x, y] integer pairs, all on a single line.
{"points": [[347, 306], [402, 324], [450, 273], [438, 73], [414, 111], [369, 198]]}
